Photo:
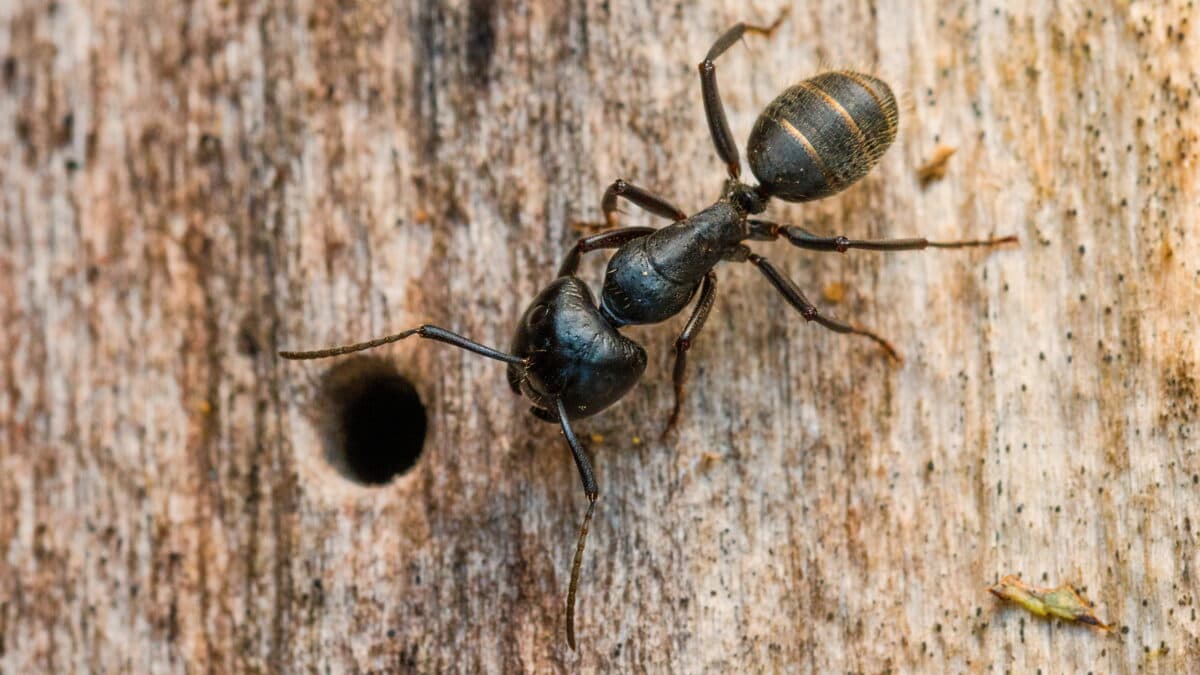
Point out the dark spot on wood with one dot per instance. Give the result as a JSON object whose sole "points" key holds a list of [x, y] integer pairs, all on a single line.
{"points": [[209, 148], [10, 72], [247, 339], [427, 53], [481, 41], [24, 130], [150, 137], [66, 129]]}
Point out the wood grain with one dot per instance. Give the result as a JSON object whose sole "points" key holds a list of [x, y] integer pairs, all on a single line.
{"points": [[187, 187]]}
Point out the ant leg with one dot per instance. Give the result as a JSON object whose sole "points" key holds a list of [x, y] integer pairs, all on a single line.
{"points": [[708, 294], [589, 488], [581, 460], [638, 196], [795, 298], [714, 110], [765, 230], [426, 331], [610, 239], [642, 197]]}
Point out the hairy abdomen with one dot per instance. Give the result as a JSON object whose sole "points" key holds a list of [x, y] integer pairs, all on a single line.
{"points": [[822, 135]]}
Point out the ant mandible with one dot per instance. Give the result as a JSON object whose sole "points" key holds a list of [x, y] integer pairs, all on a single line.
{"points": [[569, 359]]}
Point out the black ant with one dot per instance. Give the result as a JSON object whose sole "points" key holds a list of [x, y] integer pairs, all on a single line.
{"points": [[814, 140]]}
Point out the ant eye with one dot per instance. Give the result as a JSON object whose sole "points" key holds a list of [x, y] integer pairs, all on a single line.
{"points": [[537, 315]]}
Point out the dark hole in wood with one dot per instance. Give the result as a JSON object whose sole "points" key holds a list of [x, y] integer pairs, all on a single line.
{"points": [[374, 420]]}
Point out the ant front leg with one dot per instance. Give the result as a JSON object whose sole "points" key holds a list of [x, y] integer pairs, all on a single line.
{"points": [[790, 292], [708, 295], [765, 230], [638, 196], [610, 239], [714, 110]]}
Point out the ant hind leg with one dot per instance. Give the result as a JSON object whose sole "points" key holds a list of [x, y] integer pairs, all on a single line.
{"points": [[790, 292], [714, 110]]}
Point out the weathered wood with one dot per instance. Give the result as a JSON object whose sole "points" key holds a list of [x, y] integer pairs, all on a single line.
{"points": [[185, 188]]}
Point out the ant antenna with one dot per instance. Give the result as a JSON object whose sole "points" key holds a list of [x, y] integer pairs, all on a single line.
{"points": [[426, 331], [1011, 239], [587, 519]]}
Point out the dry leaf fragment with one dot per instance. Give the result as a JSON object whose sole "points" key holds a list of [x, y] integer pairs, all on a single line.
{"points": [[935, 168], [1063, 602]]}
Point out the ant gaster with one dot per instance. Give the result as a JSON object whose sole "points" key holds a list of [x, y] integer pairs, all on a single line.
{"points": [[569, 359]]}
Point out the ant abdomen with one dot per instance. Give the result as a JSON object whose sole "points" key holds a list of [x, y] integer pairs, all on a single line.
{"points": [[822, 135]]}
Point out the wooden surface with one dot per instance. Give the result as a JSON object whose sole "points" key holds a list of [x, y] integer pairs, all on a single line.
{"points": [[186, 187]]}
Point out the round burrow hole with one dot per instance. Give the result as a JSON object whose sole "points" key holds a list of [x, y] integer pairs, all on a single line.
{"points": [[373, 420]]}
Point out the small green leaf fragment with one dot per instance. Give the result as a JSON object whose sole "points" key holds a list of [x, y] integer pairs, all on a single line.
{"points": [[1063, 602]]}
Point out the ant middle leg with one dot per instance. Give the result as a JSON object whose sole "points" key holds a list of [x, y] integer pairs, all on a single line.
{"points": [[788, 289], [708, 295], [714, 110], [610, 239], [637, 196], [765, 230]]}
